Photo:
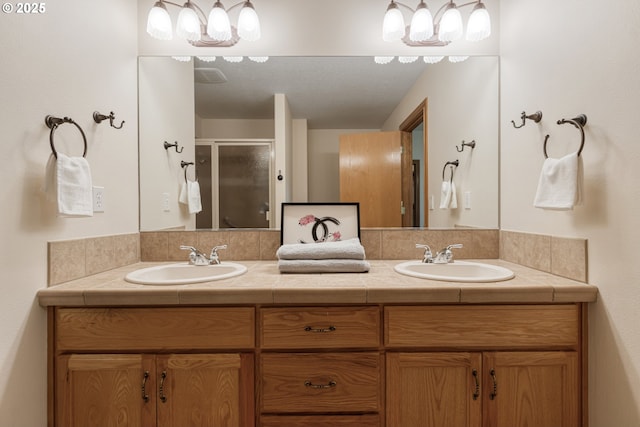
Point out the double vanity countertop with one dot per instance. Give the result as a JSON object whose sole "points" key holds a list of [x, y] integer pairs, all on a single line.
{"points": [[264, 284]]}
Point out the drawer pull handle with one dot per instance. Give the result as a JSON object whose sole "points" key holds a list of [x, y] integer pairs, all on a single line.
{"points": [[312, 329], [476, 392], [494, 393], [145, 396], [163, 397], [330, 384]]}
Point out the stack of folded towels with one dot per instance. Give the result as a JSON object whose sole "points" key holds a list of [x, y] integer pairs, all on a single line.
{"points": [[345, 256]]}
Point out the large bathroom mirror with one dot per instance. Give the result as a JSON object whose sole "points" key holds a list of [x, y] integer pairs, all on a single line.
{"points": [[301, 106]]}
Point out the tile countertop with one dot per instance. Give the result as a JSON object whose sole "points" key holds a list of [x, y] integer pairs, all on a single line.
{"points": [[263, 284]]}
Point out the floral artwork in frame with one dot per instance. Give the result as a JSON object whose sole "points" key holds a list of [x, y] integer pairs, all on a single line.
{"points": [[319, 222]]}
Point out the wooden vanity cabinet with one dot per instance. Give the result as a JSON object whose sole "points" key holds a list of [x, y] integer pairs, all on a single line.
{"points": [[479, 365], [153, 367], [523, 370]]}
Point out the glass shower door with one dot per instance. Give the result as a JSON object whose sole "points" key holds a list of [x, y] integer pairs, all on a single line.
{"points": [[244, 188]]}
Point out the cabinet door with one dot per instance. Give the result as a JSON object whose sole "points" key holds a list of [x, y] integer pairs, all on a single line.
{"points": [[105, 390], [205, 390], [434, 389], [531, 389]]}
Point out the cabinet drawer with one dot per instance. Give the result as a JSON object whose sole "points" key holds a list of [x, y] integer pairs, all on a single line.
{"points": [[320, 421], [487, 326], [154, 329], [320, 327], [328, 382]]}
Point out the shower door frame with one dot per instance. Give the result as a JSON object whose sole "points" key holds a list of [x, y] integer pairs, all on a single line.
{"points": [[215, 143]]}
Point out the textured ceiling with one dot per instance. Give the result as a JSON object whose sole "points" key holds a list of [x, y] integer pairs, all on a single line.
{"points": [[330, 92]]}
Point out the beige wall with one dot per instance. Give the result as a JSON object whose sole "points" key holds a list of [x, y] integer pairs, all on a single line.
{"points": [[166, 99], [75, 58], [566, 58], [463, 104]]}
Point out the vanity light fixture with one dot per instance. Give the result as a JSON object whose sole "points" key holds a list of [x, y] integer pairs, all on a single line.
{"points": [[383, 59], [407, 59], [439, 29], [458, 58], [432, 59], [200, 29]]}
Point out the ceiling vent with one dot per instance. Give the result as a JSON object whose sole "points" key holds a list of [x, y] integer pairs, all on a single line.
{"points": [[209, 75]]}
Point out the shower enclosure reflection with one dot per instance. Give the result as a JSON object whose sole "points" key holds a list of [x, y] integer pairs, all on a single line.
{"points": [[237, 185]]}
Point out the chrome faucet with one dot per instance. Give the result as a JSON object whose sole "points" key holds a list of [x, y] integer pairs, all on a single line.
{"points": [[446, 255], [214, 258], [428, 256], [198, 258]]}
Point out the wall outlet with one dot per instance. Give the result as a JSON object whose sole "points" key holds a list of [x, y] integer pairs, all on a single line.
{"points": [[165, 202], [98, 199]]}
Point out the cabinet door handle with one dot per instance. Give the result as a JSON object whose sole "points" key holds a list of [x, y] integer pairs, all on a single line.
{"points": [[162, 378], [312, 329], [476, 391], [494, 393], [145, 396], [330, 384]]}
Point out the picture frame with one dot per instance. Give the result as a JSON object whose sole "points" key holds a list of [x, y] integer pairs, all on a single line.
{"points": [[319, 222]]}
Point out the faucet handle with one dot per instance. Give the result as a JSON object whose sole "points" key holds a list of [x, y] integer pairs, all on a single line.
{"points": [[455, 246], [428, 255], [214, 258]]}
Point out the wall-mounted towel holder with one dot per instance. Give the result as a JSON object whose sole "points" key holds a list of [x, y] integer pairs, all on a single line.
{"points": [[471, 144], [579, 122], [185, 165], [536, 117], [453, 163], [175, 144], [53, 123], [98, 118]]}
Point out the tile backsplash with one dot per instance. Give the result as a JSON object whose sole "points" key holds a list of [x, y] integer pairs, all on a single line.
{"points": [[73, 259]]}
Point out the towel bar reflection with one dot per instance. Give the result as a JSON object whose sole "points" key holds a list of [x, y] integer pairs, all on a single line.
{"points": [[453, 163], [185, 165], [579, 122], [53, 123]]}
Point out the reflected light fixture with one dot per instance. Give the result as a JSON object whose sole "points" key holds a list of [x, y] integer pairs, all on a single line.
{"points": [[201, 29], [439, 29]]}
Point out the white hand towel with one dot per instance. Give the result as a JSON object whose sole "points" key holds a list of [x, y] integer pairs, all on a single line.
{"points": [[193, 191], [343, 249], [445, 195], [560, 183], [183, 197], [68, 182], [454, 197]]}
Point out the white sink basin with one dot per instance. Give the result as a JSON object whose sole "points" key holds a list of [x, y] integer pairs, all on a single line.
{"points": [[184, 273], [457, 271]]}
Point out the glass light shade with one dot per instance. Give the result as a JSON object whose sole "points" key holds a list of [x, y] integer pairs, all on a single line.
{"points": [[432, 59], [407, 59], [421, 24], [218, 25], [259, 59], [182, 58], [248, 23], [455, 59], [382, 59], [159, 22], [450, 24], [393, 27], [233, 58], [207, 58], [188, 26], [479, 25]]}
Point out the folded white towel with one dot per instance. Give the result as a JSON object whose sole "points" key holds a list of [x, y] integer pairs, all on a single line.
{"points": [[342, 249], [560, 183], [195, 203], [448, 197], [190, 196], [68, 183], [323, 266]]}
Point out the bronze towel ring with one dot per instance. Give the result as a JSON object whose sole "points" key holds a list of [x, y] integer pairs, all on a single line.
{"points": [[579, 122], [53, 123]]}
